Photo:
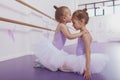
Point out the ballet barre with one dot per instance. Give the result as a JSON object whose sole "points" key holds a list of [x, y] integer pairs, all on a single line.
{"points": [[31, 7], [22, 23]]}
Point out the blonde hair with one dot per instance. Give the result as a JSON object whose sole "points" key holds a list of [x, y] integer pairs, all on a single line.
{"points": [[59, 13], [81, 14]]}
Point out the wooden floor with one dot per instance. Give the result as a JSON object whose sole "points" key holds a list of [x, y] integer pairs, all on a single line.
{"points": [[22, 68]]}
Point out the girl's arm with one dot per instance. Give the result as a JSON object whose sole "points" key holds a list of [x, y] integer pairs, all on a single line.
{"points": [[67, 33], [86, 40]]}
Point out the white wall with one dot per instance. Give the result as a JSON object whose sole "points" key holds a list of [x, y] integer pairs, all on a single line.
{"points": [[105, 28], [12, 36], [12, 42]]}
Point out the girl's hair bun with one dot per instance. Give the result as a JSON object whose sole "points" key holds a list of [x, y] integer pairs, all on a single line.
{"points": [[55, 7], [85, 9]]}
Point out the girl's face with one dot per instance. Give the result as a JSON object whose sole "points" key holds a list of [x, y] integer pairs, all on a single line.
{"points": [[77, 24], [67, 16]]}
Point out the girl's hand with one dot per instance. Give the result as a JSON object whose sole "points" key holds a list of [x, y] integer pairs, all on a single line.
{"points": [[83, 32], [87, 75]]}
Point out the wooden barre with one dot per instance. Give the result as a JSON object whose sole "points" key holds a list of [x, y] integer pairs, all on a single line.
{"points": [[22, 23], [22, 2]]}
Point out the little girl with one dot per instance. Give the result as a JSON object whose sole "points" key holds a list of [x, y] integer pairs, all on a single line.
{"points": [[80, 19]]}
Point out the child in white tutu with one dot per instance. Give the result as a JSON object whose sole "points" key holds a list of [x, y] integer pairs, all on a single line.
{"points": [[80, 18]]}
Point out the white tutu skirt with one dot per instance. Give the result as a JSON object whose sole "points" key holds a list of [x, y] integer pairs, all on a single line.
{"points": [[54, 59]]}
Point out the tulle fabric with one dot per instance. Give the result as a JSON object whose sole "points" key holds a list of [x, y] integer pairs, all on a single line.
{"points": [[53, 59]]}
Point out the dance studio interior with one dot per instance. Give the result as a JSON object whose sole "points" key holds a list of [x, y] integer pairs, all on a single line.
{"points": [[23, 23]]}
